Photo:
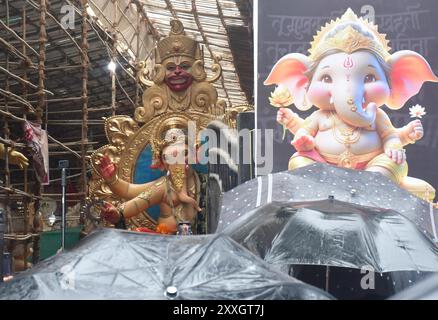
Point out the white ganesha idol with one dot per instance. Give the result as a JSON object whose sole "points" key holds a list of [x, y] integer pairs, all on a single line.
{"points": [[349, 75]]}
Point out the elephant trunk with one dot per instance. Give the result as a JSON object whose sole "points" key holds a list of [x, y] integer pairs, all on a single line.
{"points": [[179, 181], [352, 109]]}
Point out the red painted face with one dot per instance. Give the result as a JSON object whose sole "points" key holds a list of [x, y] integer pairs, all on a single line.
{"points": [[178, 77]]}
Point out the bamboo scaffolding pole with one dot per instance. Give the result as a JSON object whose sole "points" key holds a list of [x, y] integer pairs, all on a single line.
{"points": [[66, 67], [19, 79], [14, 51], [42, 59], [17, 191], [10, 95], [152, 29], [58, 99], [7, 181], [73, 143], [96, 109], [64, 146], [113, 57], [33, 4], [10, 143], [21, 40], [20, 237], [60, 194], [24, 88], [51, 181], [207, 44], [66, 153], [7, 114], [124, 91], [24, 48], [137, 58], [74, 123], [85, 66]]}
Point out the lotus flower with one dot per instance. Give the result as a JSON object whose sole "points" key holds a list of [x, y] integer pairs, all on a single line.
{"points": [[417, 111]]}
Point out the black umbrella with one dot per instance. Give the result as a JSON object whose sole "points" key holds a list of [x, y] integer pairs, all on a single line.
{"points": [[426, 289], [319, 181], [336, 234], [115, 264]]}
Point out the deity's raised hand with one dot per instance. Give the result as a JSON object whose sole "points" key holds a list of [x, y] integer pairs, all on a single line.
{"points": [[416, 130], [285, 116], [107, 168]]}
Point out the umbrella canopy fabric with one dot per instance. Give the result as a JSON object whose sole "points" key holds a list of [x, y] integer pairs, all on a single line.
{"points": [[335, 233], [116, 264], [319, 181], [426, 289]]}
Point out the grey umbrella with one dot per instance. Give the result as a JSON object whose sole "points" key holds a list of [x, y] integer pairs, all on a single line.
{"points": [[115, 264], [319, 181], [337, 234]]}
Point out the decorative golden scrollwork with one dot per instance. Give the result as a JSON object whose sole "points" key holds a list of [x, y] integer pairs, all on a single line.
{"points": [[143, 74], [217, 69], [155, 102], [203, 97], [118, 129]]}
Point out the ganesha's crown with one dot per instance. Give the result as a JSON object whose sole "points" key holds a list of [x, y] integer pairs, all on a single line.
{"points": [[349, 34], [177, 44]]}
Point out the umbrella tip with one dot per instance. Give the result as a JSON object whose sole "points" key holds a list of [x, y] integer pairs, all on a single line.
{"points": [[331, 197], [171, 292]]}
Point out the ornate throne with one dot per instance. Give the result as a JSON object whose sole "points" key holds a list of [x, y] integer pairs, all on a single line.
{"points": [[131, 139]]}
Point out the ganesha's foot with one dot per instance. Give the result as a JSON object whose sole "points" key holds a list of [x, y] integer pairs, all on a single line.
{"points": [[296, 162], [384, 165], [418, 187]]}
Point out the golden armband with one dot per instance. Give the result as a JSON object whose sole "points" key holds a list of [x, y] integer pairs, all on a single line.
{"points": [[146, 195]]}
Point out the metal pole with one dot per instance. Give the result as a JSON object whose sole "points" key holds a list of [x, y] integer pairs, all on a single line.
{"points": [[2, 232], [63, 184]]}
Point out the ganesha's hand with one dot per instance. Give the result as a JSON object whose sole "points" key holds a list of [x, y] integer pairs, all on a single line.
{"points": [[415, 129], [110, 213], [286, 117], [396, 155], [107, 168], [304, 143]]}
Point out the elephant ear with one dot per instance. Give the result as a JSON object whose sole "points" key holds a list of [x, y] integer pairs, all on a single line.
{"points": [[409, 70], [289, 71]]}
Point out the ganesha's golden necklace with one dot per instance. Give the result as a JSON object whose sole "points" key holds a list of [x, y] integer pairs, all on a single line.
{"points": [[345, 136]]}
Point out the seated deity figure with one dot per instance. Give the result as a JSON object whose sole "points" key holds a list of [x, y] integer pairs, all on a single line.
{"points": [[350, 76], [179, 96], [177, 193]]}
